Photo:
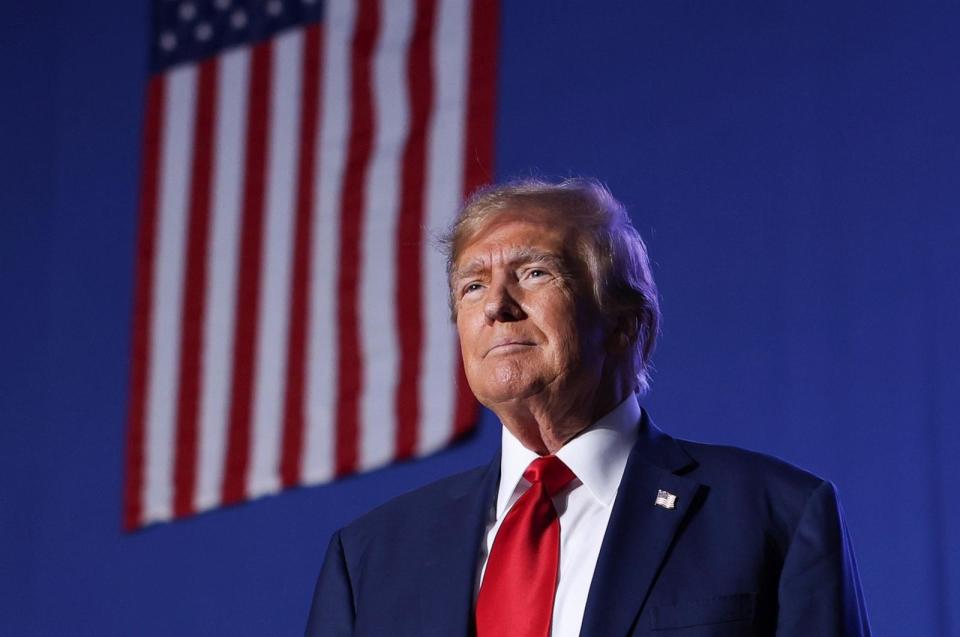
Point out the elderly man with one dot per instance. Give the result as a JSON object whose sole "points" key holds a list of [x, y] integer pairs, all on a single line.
{"points": [[591, 521]]}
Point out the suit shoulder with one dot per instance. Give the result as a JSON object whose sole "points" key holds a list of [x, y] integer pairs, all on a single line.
{"points": [[756, 489], [750, 469], [413, 507]]}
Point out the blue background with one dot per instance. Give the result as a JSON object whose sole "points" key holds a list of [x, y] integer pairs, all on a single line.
{"points": [[795, 168]]}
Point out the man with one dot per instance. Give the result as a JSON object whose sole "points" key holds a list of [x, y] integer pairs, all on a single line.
{"points": [[591, 521]]}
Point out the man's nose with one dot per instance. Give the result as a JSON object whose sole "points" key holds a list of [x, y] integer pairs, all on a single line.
{"points": [[500, 305]]}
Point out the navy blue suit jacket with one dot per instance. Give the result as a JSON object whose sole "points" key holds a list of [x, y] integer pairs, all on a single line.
{"points": [[754, 546]]}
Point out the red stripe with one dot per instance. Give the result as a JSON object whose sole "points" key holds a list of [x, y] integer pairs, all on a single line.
{"points": [[194, 293], [408, 286], [143, 303], [478, 165], [248, 281], [293, 407], [478, 161], [353, 202]]}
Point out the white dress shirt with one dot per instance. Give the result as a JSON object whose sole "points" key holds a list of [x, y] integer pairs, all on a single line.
{"points": [[598, 457]]}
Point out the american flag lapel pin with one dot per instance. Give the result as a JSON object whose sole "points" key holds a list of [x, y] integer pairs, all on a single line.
{"points": [[666, 500]]}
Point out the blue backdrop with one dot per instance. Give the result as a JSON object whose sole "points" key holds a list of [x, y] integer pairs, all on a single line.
{"points": [[795, 168]]}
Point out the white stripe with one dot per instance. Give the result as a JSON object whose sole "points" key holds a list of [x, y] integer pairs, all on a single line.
{"points": [[217, 366], [274, 317], [444, 180], [378, 326], [319, 437], [167, 292]]}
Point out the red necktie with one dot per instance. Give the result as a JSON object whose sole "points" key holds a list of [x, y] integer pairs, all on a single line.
{"points": [[516, 596]]}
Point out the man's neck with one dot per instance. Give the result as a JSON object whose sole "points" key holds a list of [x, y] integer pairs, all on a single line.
{"points": [[545, 422]]}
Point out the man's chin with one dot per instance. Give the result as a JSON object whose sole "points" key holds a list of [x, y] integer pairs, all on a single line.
{"points": [[510, 396]]}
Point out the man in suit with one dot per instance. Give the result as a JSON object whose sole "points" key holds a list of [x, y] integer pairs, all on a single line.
{"points": [[590, 521]]}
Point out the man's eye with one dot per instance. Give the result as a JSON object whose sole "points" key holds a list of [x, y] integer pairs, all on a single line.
{"points": [[471, 287]]}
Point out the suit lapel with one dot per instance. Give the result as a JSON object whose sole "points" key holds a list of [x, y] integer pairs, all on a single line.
{"points": [[451, 550], [639, 534]]}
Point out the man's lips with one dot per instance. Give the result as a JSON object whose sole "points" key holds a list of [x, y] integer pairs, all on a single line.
{"points": [[509, 346]]}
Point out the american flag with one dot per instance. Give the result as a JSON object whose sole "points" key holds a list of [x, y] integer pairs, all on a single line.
{"points": [[290, 319]]}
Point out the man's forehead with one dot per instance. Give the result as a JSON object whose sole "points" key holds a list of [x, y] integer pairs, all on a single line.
{"points": [[517, 234]]}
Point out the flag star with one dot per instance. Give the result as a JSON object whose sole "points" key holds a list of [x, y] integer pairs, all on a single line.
{"points": [[238, 19], [274, 7], [187, 11], [168, 41], [203, 32]]}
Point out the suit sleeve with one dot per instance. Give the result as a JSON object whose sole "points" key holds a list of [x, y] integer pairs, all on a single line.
{"points": [[332, 612], [819, 592]]}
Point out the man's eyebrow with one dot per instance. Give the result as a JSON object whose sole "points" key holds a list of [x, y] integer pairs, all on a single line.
{"points": [[472, 267], [532, 255], [517, 257]]}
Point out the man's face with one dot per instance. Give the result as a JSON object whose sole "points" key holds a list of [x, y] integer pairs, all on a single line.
{"points": [[526, 320]]}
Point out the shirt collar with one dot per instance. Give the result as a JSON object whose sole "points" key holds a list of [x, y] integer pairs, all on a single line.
{"points": [[597, 456]]}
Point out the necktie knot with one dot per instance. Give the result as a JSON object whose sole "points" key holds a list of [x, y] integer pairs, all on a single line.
{"points": [[550, 472]]}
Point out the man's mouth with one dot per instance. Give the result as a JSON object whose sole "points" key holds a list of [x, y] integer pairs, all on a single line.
{"points": [[509, 346]]}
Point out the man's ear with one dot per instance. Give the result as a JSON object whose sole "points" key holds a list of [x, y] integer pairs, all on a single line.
{"points": [[623, 334]]}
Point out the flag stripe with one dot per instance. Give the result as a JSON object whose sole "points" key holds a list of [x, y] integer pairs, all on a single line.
{"points": [[444, 190], [194, 292], [349, 356], [481, 96], [321, 444], [175, 169], [409, 298], [273, 323], [294, 401], [479, 160], [143, 301], [379, 242], [248, 288], [233, 82]]}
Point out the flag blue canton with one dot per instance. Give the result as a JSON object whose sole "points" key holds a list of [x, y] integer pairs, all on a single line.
{"points": [[186, 31]]}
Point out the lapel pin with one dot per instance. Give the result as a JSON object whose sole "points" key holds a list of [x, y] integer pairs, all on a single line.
{"points": [[666, 500]]}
